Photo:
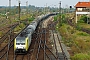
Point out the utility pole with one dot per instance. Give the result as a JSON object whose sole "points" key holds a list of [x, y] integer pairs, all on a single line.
{"points": [[46, 8], [60, 7], [60, 21], [27, 9], [9, 5], [10, 29], [6, 12], [27, 6], [9, 10], [19, 10], [55, 7]]}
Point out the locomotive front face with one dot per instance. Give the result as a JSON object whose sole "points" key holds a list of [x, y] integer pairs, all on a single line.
{"points": [[20, 45]]}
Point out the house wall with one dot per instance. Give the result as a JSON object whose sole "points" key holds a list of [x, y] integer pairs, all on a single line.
{"points": [[83, 10]]}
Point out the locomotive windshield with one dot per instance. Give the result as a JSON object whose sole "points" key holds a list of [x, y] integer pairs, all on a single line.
{"points": [[20, 41]]}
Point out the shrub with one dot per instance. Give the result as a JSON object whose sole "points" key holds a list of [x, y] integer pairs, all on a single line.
{"points": [[80, 56], [83, 34], [78, 27], [31, 19], [55, 18], [83, 19], [22, 25], [1, 33]]}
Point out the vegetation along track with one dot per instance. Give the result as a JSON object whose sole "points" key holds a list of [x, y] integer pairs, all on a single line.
{"points": [[5, 39], [82, 29], [44, 45]]}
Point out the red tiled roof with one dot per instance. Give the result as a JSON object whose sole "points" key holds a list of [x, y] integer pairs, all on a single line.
{"points": [[83, 4]]}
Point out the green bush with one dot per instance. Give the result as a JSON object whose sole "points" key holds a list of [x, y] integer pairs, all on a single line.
{"points": [[31, 19], [78, 27], [22, 25], [80, 56], [63, 18], [1, 33], [83, 19], [55, 18], [83, 34]]}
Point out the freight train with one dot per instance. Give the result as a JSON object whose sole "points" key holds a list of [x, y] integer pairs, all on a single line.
{"points": [[23, 40]]}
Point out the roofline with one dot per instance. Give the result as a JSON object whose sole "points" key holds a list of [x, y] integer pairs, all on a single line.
{"points": [[82, 6]]}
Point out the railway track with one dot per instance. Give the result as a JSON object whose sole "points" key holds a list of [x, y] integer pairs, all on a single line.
{"points": [[10, 35], [41, 46], [7, 29], [7, 50], [4, 47], [82, 29], [43, 50], [59, 51]]}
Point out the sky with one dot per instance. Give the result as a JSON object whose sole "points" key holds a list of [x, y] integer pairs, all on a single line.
{"points": [[42, 3]]}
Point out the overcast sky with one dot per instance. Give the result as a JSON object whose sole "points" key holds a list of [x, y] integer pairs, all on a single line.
{"points": [[41, 3]]}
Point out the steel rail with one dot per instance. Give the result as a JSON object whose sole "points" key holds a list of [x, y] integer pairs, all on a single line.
{"points": [[3, 55], [34, 46], [51, 52], [3, 48], [44, 45], [15, 56], [39, 46], [23, 57], [55, 45], [4, 36], [65, 58], [47, 56]]}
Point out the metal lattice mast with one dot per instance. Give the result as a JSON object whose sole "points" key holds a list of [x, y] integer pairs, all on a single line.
{"points": [[60, 22], [9, 5], [27, 6]]}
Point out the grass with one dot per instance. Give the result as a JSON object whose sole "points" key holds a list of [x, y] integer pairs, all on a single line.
{"points": [[83, 34], [14, 19], [81, 56], [1, 33], [84, 25], [19, 28], [77, 40]]}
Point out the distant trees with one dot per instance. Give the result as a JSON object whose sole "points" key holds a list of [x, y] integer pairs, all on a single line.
{"points": [[60, 18]]}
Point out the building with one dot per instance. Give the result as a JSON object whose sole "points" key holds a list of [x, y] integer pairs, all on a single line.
{"points": [[82, 8]]}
